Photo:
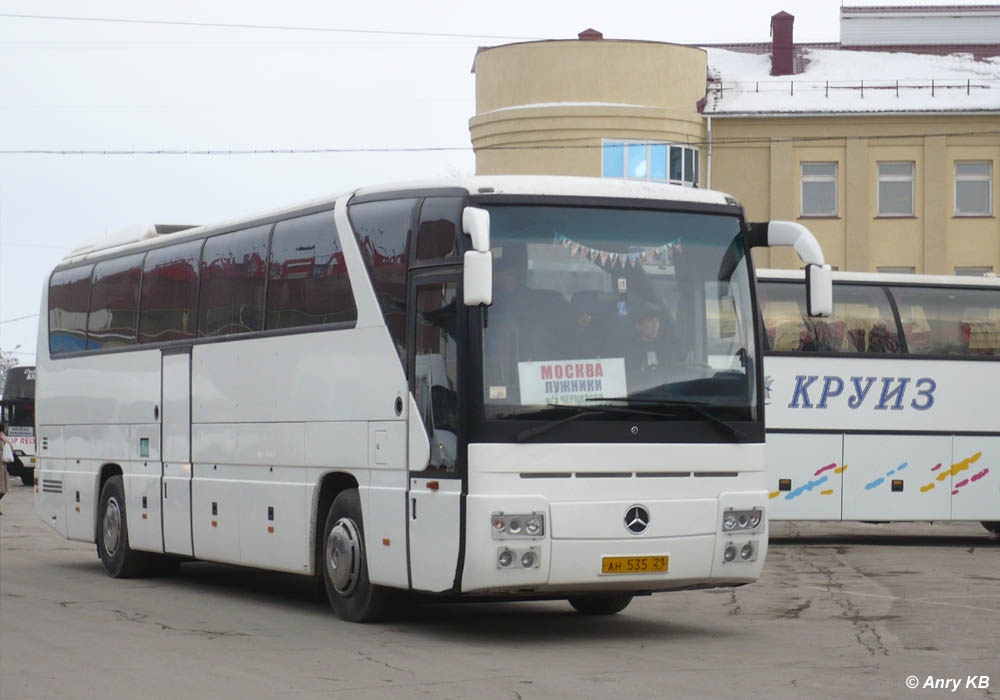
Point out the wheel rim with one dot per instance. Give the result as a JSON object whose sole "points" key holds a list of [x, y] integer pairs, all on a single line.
{"points": [[112, 526], [343, 556]]}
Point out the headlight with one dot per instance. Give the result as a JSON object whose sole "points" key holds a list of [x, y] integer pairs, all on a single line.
{"points": [[506, 526], [742, 520]]}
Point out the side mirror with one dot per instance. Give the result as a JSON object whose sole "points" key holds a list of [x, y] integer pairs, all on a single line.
{"points": [[477, 278], [819, 290], [476, 224]]}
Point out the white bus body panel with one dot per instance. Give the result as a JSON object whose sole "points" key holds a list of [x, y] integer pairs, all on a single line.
{"points": [[975, 478], [176, 423], [888, 413], [584, 492], [812, 465]]}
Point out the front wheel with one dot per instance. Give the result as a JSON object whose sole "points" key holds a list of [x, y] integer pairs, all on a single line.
{"points": [[345, 567], [604, 604], [993, 527], [120, 560]]}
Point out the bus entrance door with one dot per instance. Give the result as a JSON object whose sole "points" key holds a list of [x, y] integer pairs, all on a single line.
{"points": [[176, 441], [435, 487]]}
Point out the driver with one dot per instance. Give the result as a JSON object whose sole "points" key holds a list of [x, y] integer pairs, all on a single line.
{"points": [[649, 347]]}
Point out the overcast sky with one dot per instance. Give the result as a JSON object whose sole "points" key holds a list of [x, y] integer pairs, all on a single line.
{"points": [[117, 86]]}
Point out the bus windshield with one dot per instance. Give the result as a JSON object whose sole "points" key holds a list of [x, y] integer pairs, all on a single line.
{"points": [[606, 306]]}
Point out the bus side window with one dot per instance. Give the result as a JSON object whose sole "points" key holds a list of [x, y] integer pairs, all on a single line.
{"points": [[440, 224], [232, 282], [114, 303], [308, 282], [950, 321], [169, 297], [69, 292], [783, 307], [383, 230]]}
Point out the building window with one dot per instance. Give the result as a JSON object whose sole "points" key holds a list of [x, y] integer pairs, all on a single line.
{"points": [[897, 270], [974, 188], [895, 189], [974, 271], [819, 189], [660, 162]]}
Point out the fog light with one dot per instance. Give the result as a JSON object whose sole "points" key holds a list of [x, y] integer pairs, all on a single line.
{"points": [[729, 522], [746, 552], [729, 554], [528, 560], [533, 527], [505, 558]]}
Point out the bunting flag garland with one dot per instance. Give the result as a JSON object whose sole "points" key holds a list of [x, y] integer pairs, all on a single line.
{"points": [[662, 255]]}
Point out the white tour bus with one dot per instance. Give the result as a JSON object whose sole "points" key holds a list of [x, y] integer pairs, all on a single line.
{"points": [[887, 409], [443, 387]]}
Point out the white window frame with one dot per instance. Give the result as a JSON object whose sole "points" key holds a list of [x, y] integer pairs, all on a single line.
{"points": [[819, 179], [625, 143], [911, 178], [988, 178]]}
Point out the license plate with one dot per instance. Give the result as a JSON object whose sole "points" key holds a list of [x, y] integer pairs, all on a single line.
{"points": [[635, 565]]}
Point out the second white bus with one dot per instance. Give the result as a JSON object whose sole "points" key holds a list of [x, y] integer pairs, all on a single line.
{"points": [[887, 409]]}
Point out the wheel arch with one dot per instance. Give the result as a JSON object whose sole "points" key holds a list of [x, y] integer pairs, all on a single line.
{"points": [[330, 486]]}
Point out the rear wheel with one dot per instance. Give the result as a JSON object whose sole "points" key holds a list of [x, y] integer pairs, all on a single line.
{"points": [[602, 604], [993, 527], [120, 560], [345, 567]]}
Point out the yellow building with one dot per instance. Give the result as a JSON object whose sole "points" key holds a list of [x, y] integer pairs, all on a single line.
{"points": [[887, 151]]}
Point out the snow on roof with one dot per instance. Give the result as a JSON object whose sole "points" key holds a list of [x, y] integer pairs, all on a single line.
{"points": [[838, 81]]}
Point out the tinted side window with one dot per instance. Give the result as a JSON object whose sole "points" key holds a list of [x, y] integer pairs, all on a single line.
{"points": [[862, 321], [69, 296], [308, 282], [114, 303], [169, 293], [440, 224], [942, 321], [383, 230], [232, 282]]}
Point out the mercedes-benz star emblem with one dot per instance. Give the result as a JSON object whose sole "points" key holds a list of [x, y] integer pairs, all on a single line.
{"points": [[636, 519]]}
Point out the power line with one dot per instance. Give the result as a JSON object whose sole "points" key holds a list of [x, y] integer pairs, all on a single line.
{"points": [[716, 142], [279, 27], [19, 318]]}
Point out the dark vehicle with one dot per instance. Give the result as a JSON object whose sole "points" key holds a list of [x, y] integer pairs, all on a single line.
{"points": [[18, 419]]}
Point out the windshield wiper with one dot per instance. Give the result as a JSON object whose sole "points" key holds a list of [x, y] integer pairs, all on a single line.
{"points": [[698, 407], [582, 410]]}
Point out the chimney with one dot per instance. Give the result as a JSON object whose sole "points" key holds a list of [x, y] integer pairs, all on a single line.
{"points": [[589, 35], [782, 47]]}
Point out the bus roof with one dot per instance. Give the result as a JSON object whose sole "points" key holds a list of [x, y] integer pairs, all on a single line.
{"points": [[143, 236], [887, 278]]}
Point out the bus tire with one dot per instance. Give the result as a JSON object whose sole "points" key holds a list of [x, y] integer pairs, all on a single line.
{"points": [[601, 604], [993, 527], [120, 560], [28, 476], [345, 567]]}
